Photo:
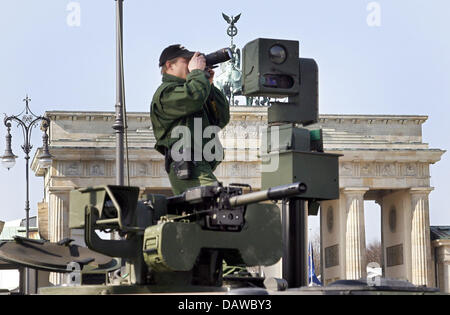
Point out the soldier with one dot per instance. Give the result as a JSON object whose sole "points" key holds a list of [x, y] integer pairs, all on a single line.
{"points": [[186, 98]]}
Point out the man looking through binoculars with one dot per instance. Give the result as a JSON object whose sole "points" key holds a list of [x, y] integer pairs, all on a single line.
{"points": [[183, 107]]}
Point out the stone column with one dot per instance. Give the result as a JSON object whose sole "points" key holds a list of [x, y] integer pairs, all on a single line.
{"points": [[58, 216], [441, 252], [379, 202], [355, 238], [58, 220], [421, 262], [445, 287]]}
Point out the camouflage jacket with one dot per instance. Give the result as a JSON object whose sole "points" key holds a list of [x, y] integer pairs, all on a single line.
{"points": [[177, 102]]}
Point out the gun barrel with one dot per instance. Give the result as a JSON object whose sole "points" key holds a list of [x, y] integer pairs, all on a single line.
{"points": [[274, 193]]}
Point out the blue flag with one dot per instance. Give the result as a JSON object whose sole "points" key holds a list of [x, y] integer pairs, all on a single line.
{"points": [[312, 278]]}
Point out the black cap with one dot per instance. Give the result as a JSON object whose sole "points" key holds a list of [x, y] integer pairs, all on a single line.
{"points": [[174, 51]]}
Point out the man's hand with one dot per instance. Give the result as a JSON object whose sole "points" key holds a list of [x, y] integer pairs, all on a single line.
{"points": [[197, 62]]}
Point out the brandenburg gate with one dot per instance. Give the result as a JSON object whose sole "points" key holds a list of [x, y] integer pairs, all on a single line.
{"points": [[383, 159]]}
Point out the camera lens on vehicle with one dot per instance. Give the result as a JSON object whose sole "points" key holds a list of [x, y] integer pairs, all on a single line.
{"points": [[277, 54]]}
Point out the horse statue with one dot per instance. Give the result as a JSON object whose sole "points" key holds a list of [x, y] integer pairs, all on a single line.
{"points": [[229, 81]]}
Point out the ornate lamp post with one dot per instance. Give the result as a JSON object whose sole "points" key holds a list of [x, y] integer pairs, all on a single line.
{"points": [[27, 122]]}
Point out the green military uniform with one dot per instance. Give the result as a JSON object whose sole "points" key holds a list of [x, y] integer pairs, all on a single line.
{"points": [[177, 102]]}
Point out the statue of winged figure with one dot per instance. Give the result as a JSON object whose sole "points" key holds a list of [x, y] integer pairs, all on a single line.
{"points": [[231, 20], [232, 30]]}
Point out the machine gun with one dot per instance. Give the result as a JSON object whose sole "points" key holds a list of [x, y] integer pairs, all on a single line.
{"points": [[181, 241], [223, 208]]}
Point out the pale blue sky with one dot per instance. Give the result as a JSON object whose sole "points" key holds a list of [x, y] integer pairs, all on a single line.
{"points": [[401, 67]]}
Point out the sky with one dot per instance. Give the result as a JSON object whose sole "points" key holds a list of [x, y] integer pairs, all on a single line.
{"points": [[375, 57]]}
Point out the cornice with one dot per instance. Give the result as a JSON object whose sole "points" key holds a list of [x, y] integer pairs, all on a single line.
{"points": [[373, 119], [245, 112]]}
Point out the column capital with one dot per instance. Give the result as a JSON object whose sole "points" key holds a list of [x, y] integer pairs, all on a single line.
{"points": [[439, 243], [420, 190], [60, 189], [355, 190]]}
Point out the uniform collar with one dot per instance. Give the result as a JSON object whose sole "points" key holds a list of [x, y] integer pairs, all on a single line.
{"points": [[171, 78]]}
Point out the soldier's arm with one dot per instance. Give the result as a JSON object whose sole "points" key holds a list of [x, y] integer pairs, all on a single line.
{"points": [[219, 107], [183, 100]]}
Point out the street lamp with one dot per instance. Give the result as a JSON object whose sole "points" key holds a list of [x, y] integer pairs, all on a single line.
{"points": [[45, 158], [27, 122], [8, 159]]}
